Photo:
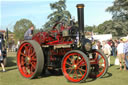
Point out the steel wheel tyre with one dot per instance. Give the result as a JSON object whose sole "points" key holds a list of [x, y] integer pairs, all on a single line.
{"points": [[99, 64], [75, 66], [30, 59]]}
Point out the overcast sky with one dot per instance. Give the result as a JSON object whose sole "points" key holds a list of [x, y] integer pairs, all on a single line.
{"points": [[38, 10]]}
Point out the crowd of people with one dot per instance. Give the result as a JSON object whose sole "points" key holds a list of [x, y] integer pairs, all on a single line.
{"points": [[116, 48]]}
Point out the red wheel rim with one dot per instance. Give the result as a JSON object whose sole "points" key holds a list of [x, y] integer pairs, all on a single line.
{"points": [[26, 60], [98, 65], [74, 67]]}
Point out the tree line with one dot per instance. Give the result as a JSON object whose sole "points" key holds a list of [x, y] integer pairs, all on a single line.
{"points": [[117, 26]]}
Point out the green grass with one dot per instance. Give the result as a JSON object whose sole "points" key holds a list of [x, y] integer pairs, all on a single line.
{"points": [[13, 77]]}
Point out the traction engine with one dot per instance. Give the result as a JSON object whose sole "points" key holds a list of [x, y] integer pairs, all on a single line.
{"points": [[64, 51]]}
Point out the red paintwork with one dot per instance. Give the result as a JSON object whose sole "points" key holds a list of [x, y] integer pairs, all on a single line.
{"points": [[26, 67], [74, 69], [53, 37], [58, 52]]}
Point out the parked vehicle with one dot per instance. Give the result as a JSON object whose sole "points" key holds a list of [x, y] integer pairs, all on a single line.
{"points": [[64, 50]]}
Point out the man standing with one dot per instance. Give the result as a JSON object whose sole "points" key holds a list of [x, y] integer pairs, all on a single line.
{"points": [[28, 34], [120, 54], [107, 50]]}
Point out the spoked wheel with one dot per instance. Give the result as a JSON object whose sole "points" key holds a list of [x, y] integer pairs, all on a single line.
{"points": [[30, 59], [75, 66], [99, 64]]}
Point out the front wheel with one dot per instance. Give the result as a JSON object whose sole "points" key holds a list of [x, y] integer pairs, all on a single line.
{"points": [[75, 66], [99, 64]]}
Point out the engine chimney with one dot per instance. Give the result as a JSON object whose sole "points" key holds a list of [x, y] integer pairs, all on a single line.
{"points": [[80, 11]]}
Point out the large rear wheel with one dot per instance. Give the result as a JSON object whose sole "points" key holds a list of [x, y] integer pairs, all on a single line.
{"points": [[75, 66], [30, 59]]}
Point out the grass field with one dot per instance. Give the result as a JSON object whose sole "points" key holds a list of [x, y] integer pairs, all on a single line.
{"points": [[13, 77]]}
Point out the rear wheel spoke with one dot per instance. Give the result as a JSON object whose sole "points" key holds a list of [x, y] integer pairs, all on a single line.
{"points": [[79, 61], [23, 54]]}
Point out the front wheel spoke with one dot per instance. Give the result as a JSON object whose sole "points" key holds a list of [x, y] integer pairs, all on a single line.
{"points": [[83, 64], [69, 68], [81, 69], [80, 73], [76, 74], [68, 64], [70, 71], [70, 59]]}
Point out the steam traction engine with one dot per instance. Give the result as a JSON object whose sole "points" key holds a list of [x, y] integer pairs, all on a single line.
{"points": [[65, 50]]}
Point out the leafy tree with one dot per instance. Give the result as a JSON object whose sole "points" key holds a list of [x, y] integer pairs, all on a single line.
{"points": [[21, 27], [90, 28], [119, 11], [60, 14], [112, 27]]}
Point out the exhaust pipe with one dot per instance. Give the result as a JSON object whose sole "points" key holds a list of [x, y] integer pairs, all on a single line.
{"points": [[80, 13]]}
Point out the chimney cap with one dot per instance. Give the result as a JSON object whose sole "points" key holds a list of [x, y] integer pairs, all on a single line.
{"points": [[80, 5]]}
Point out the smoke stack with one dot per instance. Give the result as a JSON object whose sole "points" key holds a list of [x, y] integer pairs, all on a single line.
{"points": [[80, 11]]}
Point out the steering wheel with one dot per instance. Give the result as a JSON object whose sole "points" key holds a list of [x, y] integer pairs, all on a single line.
{"points": [[61, 26]]}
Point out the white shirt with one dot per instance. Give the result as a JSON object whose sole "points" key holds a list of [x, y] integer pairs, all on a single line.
{"points": [[107, 46], [120, 48]]}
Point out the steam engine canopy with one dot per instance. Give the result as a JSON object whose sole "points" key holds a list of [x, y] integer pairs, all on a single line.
{"points": [[86, 44]]}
